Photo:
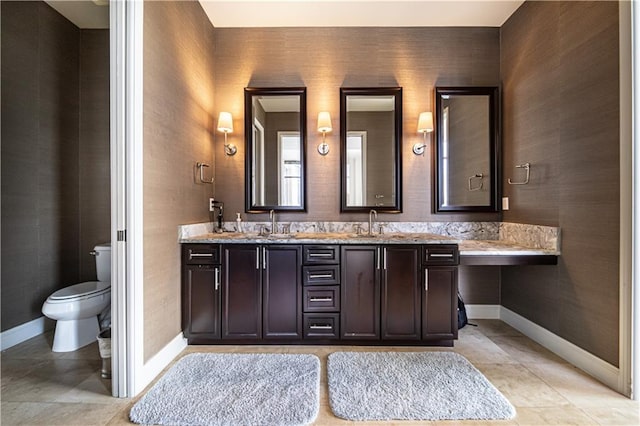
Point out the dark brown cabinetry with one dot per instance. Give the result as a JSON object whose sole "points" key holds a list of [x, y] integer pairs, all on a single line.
{"points": [[440, 295], [321, 294], [242, 292], [360, 276], [201, 292], [401, 295], [287, 292], [262, 292]]}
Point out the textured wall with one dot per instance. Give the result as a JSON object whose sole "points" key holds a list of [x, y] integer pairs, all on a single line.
{"points": [[39, 158], [560, 78], [178, 126], [325, 59], [95, 184], [55, 155]]}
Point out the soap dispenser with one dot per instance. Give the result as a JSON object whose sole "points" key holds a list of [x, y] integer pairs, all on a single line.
{"points": [[239, 223]]}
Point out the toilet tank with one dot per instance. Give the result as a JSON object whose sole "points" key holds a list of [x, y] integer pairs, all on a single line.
{"points": [[103, 261]]}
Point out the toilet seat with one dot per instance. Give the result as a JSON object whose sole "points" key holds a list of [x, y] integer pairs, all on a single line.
{"points": [[80, 291]]}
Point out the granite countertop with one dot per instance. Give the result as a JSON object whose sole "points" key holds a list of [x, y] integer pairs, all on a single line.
{"points": [[466, 247]]}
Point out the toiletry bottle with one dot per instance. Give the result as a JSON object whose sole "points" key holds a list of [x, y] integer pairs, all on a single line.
{"points": [[239, 223]]}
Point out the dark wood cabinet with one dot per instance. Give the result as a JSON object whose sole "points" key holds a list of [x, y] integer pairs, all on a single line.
{"points": [[440, 303], [401, 296], [201, 291], [282, 292], [288, 292], [242, 292], [360, 292], [262, 292]]}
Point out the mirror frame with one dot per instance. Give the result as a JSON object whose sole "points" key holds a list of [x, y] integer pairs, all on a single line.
{"points": [[494, 148], [249, 93], [396, 207]]}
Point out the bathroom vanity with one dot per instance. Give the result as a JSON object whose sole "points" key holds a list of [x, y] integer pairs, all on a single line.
{"points": [[333, 287], [315, 293]]}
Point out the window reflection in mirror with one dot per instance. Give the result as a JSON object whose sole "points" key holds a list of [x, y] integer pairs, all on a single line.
{"points": [[466, 149], [275, 148], [370, 152]]}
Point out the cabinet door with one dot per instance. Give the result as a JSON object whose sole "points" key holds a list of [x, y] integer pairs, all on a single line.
{"points": [[202, 302], [360, 301], [282, 292], [439, 312], [241, 292], [400, 313]]}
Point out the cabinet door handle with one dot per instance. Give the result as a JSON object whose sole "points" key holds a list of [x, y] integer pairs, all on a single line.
{"points": [[217, 278], [320, 254], [378, 258], [384, 258], [440, 254], [321, 299], [257, 257], [321, 276], [264, 258], [320, 327], [426, 280], [192, 255]]}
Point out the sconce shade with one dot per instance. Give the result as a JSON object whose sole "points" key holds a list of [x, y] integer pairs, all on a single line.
{"points": [[425, 122], [324, 122], [225, 122]]}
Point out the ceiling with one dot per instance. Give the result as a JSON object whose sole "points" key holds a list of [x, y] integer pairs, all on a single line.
{"points": [[359, 13], [85, 14], [321, 13]]}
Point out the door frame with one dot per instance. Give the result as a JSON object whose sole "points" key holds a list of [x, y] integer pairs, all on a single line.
{"points": [[126, 139]]}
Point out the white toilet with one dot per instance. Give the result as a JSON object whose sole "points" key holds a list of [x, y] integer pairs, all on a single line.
{"points": [[76, 308]]}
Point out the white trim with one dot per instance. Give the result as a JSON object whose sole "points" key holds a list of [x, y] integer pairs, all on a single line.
{"points": [[26, 331], [634, 299], [134, 196], [626, 193], [126, 39], [159, 361], [587, 362], [483, 311]]}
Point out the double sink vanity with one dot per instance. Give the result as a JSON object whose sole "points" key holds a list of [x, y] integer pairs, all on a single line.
{"points": [[325, 283]]}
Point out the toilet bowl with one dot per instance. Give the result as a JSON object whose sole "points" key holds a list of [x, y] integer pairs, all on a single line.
{"points": [[76, 308]]}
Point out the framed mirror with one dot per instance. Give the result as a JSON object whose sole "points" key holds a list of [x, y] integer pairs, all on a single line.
{"points": [[467, 149], [275, 141], [370, 149]]}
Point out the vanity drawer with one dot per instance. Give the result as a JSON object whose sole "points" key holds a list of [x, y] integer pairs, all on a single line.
{"points": [[322, 299], [321, 275], [324, 326], [314, 255], [440, 254], [201, 254]]}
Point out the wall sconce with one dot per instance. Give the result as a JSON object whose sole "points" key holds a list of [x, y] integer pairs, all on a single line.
{"points": [[324, 126], [425, 125], [225, 125]]}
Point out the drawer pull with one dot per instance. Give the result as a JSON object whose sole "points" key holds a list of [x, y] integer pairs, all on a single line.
{"points": [[441, 255], [321, 299], [320, 327], [320, 254], [320, 276], [192, 255]]}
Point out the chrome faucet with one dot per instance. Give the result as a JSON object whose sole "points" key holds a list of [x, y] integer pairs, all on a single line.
{"points": [[272, 216], [372, 213]]}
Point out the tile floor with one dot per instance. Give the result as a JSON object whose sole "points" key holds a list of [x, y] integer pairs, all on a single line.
{"points": [[40, 387]]}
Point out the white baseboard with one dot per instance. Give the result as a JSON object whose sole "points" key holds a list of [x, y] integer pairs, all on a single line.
{"points": [[26, 331], [483, 311], [587, 362], [159, 361]]}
